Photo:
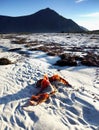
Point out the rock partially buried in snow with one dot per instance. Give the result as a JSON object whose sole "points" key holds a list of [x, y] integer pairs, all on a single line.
{"points": [[5, 61]]}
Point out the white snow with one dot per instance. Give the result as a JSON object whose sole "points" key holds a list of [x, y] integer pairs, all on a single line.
{"points": [[74, 108]]}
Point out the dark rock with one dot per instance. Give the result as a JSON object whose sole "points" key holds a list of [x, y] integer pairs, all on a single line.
{"points": [[5, 61], [91, 59], [65, 62]]}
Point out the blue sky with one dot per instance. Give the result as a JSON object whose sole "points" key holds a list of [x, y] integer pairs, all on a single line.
{"points": [[83, 12]]}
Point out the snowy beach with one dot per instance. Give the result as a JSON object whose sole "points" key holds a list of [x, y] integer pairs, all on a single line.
{"points": [[75, 108]]}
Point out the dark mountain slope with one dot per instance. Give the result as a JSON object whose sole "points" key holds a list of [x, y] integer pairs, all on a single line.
{"points": [[45, 20]]}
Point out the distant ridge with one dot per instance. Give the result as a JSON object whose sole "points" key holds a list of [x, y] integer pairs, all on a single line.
{"points": [[43, 21], [94, 31]]}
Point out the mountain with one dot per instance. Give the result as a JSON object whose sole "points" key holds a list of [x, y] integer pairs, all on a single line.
{"points": [[84, 28], [46, 20]]}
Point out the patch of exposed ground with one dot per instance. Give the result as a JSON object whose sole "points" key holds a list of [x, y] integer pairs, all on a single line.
{"points": [[66, 53]]}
